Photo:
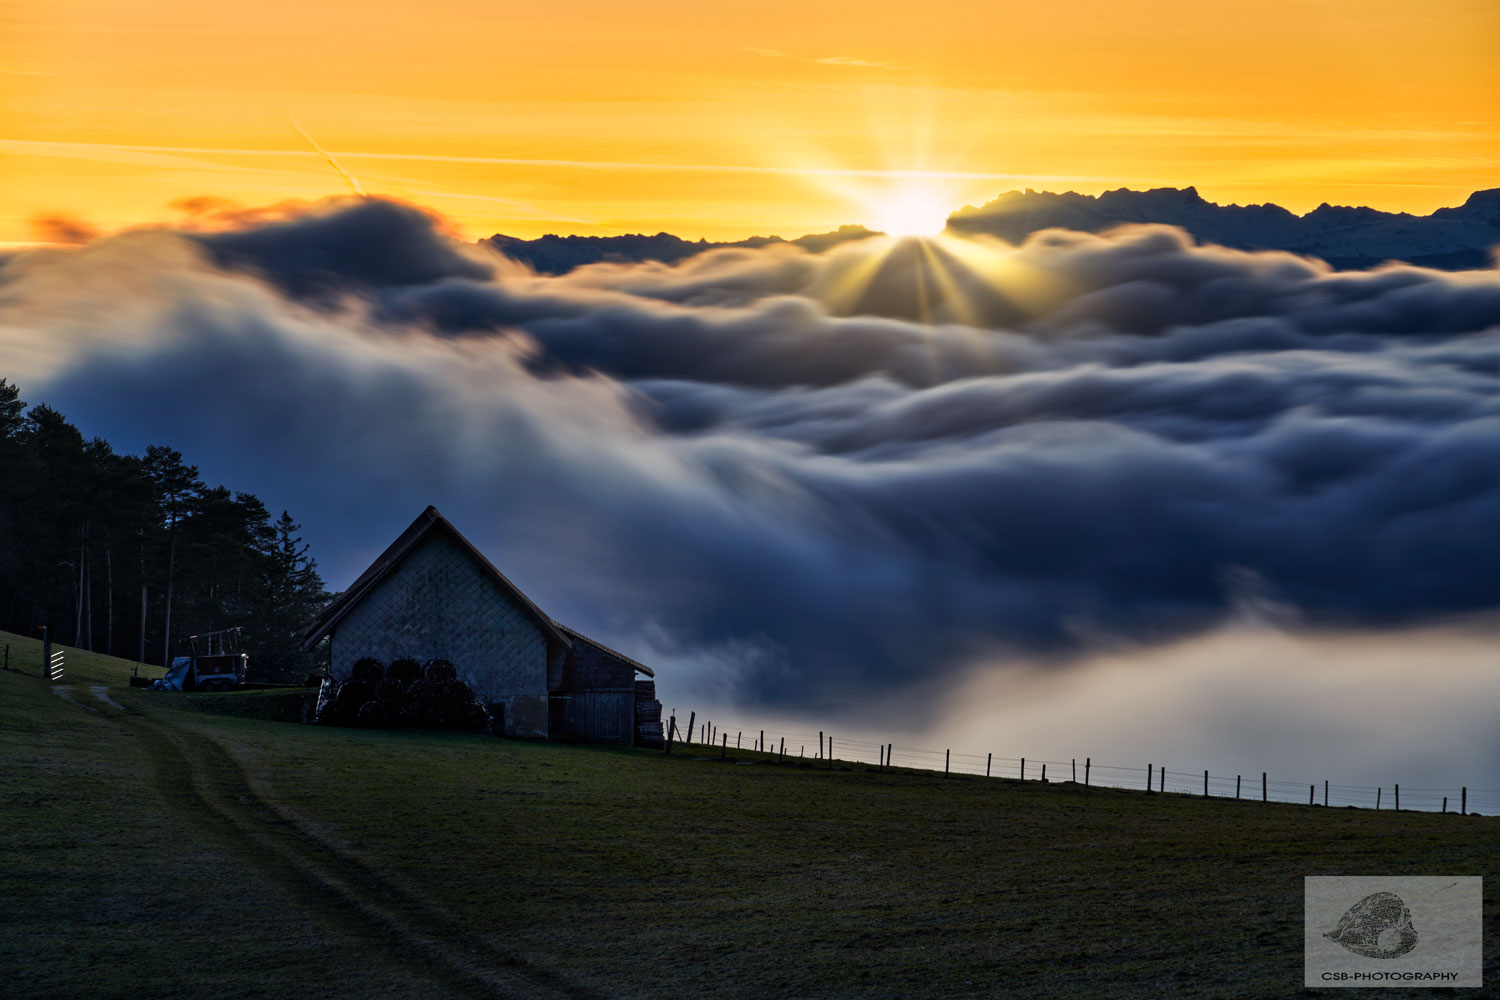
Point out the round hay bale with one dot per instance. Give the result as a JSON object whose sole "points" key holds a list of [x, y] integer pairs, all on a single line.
{"points": [[441, 670], [407, 714], [405, 670], [390, 692], [355, 690], [368, 669], [458, 693], [371, 715], [422, 699], [347, 698]]}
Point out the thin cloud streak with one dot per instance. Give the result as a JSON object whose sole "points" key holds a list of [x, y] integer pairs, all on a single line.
{"points": [[40, 148]]}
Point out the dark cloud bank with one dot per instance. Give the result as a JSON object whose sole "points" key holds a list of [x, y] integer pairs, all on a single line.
{"points": [[818, 473]]}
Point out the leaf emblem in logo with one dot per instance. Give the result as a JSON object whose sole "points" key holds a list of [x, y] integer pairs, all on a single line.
{"points": [[1378, 926]]}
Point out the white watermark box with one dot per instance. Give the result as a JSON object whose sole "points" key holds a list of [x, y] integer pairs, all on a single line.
{"points": [[1393, 930]]}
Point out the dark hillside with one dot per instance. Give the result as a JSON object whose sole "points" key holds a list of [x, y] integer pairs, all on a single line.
{"points": [[425, 864]]}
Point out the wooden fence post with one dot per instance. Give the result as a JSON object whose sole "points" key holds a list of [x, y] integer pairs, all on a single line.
{"points": [[691, 717], [830, 753], [1044, 770], [724, 746], [1075, 770], [988, 758], [1445, 803], [1205, 784], [1325, 793], [820, 742], [737, 737], [762, 741], [1398, 798], [1311, 791], [1023, 768], [1463, 808], [1377, 797], [1164, 779], [946, 753], [889, 749], [1150, 777], [1087, 762], [783, 746], [1263, 787], [1237, 786]]}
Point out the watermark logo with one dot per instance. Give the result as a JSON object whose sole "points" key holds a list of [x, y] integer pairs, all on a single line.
{"points": [[1378, 926], [1393, 931]]}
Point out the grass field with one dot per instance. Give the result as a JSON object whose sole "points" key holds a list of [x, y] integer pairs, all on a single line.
{"points": [[173, 845]]}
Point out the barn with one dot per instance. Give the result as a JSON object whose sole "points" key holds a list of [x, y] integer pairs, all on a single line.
{"points": [[433, 595]]}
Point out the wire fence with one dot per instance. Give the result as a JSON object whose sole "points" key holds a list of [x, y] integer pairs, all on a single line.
{"points": [[709, 737]]}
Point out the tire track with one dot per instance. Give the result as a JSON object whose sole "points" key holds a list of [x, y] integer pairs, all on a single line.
{"points": [[200, 776]]}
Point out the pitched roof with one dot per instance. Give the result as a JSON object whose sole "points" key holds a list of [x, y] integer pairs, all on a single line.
{"points": [[637, 664], [427, 522]]}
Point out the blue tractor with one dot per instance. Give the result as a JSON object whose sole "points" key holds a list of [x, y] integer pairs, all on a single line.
{"points": [[214, 663]]}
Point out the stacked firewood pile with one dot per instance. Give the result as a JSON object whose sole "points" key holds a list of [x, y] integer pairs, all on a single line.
{"points": [[406, 694], [647, 715]]}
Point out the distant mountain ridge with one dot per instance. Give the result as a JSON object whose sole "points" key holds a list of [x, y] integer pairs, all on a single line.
{"points": [[1449, 238], [552, 254], [1346, 237]]}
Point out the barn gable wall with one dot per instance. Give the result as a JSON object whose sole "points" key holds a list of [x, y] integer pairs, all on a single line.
{"points": [[438, 604]]}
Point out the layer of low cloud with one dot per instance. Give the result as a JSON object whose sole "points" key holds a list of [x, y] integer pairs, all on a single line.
{"points": [[803, 479]]}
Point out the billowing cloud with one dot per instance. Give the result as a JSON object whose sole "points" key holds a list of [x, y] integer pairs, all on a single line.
{"points": [[797, 476], [55, 227]]}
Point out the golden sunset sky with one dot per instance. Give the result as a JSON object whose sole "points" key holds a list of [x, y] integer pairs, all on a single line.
{"points": [[723, 121]]}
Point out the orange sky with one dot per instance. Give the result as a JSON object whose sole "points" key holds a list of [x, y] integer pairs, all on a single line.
{"points": [[722, 121]]}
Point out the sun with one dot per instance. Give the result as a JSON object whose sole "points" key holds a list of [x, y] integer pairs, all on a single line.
{"points": [[908, 211]]}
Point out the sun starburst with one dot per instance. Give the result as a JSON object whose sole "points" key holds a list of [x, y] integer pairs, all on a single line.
{"points": [[908, 210]]}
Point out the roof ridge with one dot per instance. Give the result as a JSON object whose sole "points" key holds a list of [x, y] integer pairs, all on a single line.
{"points": [[392, 557]]}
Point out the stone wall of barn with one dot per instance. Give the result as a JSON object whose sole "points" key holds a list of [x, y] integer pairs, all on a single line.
{"points": [[438, 604]]}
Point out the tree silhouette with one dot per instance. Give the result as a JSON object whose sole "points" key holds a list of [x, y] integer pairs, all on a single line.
{"points": [[178, 488], [291, 596], [198, 558]]}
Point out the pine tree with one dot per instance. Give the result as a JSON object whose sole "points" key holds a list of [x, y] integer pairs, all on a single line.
{"points": [[178, 488], [12, 410], [291, 595]]}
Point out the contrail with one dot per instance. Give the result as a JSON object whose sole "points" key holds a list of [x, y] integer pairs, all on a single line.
{"points": [[346, 175]]}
